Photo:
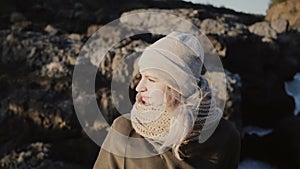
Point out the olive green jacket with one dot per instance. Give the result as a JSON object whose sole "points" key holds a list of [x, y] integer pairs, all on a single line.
{"points": [[220, 151]]}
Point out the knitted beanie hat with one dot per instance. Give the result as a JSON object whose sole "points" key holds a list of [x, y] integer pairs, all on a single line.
{"points": [[180, 56]]}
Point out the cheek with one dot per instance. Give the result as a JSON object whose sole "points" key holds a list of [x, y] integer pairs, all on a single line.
{"points": [[157, 97], [172, 99]]}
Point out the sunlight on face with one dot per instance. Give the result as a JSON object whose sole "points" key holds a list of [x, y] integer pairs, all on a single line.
{"points": [[151, 89]]}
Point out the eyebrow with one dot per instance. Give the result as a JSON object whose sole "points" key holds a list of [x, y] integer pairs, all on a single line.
{"points": [[152, 77]]}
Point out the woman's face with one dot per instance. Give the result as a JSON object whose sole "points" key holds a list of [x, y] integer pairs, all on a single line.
{"points": [[151, 90]]}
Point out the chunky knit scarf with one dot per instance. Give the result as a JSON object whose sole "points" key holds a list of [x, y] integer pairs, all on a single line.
{"points": [[151, 121], [154, 122]]}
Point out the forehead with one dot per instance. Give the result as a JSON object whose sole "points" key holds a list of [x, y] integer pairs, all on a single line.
{"points": [[150, 73], [159, 75]]}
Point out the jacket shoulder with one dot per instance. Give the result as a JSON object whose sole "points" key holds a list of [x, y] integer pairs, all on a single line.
{"points": [[227, 129], [221, 150], [122, 124]]}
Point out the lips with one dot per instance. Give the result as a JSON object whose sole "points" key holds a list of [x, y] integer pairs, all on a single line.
{"points": [[145, 98]]}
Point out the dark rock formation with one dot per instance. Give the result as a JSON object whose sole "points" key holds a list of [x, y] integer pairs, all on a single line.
{"points": [[78, 15], [39, 47]]}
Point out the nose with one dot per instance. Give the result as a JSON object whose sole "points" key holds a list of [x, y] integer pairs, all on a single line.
{"points": [[141, 86]]}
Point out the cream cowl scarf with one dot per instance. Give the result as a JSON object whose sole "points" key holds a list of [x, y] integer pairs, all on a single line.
{"points": [[151, 121]]}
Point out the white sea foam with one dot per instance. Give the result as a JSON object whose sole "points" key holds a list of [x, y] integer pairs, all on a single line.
{"points": [[254, 130], [293, 89]]}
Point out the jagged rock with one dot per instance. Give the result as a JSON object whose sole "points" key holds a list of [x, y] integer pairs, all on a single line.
{"points": [[226, 24], [287, 10], [35, 106], [46, 55], [51, 30], [221, 27], [153, 21], [36, 72], [31, 157], [210, 26], [34, 156], [92, 29], [75, 37], [280, 25], [263, 29], [238, 30], [53, 69], [111, 60]]}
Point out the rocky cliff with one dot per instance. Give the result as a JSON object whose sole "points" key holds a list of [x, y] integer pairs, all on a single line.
{"points": [[41, 41], [288, 10]]}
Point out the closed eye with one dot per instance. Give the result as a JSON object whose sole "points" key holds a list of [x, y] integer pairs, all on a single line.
{"points": [[151, 80]]}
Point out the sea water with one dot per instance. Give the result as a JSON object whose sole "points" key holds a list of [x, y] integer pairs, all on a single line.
{"points": [[254, 164]]}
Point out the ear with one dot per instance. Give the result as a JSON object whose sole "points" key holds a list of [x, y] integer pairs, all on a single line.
{"points": [[172, 102]]}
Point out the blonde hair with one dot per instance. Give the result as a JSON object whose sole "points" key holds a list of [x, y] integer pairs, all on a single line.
{"points": [[183, 121], [183, 116]]}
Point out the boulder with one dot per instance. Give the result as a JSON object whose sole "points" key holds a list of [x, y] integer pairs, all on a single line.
{"points": [[51, 30], [280, 25], [263, 29], [287, 10], [210, 26]]}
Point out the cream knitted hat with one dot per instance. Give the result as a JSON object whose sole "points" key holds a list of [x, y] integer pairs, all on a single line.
{"points": [[179, 55]]}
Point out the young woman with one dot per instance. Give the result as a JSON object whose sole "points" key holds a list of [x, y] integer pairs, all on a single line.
{"points": [[174, 122]]}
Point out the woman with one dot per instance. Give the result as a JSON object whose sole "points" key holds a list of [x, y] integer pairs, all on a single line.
{"points": [[175, 115]]}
